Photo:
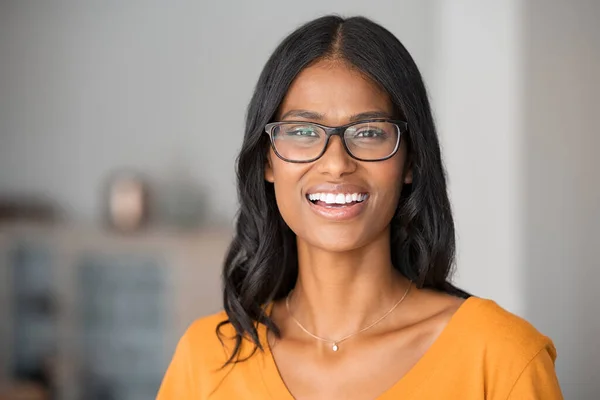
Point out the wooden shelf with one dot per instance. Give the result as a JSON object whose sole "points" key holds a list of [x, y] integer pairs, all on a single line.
{"points": [[187, 265]]}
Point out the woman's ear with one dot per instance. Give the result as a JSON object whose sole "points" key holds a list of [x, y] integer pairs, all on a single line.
{"points": [[408, 174], [269, 170]]}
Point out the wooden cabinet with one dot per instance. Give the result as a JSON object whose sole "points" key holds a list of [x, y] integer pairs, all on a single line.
{"points": [[99, 313]]}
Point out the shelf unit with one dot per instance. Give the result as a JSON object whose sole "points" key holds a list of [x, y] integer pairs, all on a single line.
{"points": [[106, 309]]}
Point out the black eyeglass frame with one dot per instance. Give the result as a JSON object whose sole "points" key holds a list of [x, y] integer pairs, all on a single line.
{"points": [[337, 131]]}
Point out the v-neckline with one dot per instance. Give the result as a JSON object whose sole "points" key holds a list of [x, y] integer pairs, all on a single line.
{"points": [[406, 385]]}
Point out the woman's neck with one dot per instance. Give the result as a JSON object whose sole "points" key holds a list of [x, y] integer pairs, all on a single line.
{"points": [[338, 294]]}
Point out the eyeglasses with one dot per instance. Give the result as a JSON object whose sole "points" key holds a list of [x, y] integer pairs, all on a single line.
{"points": [[304, 142]]}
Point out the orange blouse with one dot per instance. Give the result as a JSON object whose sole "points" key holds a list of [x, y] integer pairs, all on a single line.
{"points": [[484, 352]]}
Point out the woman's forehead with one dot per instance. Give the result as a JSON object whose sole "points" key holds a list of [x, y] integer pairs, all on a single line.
{"points": [[336, 92]]}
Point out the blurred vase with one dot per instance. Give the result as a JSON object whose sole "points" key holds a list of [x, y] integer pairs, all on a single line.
{"points": [[128, 201], [182, 204]]}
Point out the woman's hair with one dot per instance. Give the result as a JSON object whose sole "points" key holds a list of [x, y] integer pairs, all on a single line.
{"points": [[261, 264]]}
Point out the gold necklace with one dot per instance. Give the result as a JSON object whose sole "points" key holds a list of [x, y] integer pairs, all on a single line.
{"points": [[335, 343]]}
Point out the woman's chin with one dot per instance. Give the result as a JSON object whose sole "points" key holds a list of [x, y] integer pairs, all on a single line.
{"points": [[335, 242]]}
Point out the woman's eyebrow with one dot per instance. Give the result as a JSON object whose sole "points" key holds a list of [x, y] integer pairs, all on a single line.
{"points": [[370, 115], [303, 114], [312, 115]]}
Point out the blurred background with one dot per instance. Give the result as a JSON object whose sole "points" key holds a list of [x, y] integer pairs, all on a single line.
{"points": [[119, 126]]}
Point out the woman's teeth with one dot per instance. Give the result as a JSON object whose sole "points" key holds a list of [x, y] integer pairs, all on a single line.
{"points": [[338, 198]]}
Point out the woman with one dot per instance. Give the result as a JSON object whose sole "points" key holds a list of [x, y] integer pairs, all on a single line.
{"points": [[336, 285]]}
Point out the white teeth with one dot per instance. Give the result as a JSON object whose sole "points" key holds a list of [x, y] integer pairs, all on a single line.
{"points": [[338, 198]]}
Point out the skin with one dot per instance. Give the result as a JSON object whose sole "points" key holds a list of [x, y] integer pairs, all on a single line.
{"points": [[346, 280]]}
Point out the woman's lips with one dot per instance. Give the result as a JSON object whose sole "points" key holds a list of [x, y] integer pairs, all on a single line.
{"points": [[337, 212]]}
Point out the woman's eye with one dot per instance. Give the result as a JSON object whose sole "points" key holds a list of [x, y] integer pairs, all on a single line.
{"points": [[369, 133], [302, 132]]}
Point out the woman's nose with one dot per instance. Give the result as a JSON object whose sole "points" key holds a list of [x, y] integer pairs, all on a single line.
{"points": [[336, 161]]}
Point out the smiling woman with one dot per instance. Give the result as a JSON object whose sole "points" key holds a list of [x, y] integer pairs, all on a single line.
{"points": [[337, 283]]}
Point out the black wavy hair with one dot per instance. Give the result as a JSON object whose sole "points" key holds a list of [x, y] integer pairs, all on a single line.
{"points": [[261, 264]]}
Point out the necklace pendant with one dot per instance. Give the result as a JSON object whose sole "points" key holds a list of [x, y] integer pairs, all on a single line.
{"points": [[334, 347]]}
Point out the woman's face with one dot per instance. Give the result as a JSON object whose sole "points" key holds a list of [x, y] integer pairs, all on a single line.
{"points": [[330, 93]]}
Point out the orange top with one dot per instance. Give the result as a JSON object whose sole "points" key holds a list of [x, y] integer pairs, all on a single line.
{"points": [[484, 352]]}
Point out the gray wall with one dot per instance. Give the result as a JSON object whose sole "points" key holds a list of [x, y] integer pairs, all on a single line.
{"points": [[476, 98], [516, 92], [160, 86], [562, 192]]}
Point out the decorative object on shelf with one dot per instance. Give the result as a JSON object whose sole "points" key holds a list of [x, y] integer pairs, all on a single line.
{"points": [[182, 205], [128, 201], [27, 207], [181, 200]]}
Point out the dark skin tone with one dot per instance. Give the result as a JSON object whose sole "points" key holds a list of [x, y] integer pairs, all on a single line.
{"points": [[346, 280]]}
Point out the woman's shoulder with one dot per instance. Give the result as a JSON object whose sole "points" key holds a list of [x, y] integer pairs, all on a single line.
{"points": [[502, 351], [205, 328], [488, 327], [198, 366], [208, 338]]}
